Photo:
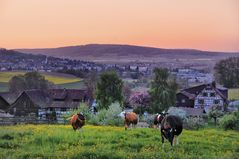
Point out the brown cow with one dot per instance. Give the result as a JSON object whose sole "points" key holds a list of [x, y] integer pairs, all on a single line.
{"points": [[77, 121], [130, 118]]}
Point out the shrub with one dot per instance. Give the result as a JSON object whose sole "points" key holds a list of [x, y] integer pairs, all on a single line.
{"points": [[107, 117], [193, 123], [230, 121], [82, 108], [177, 112]]}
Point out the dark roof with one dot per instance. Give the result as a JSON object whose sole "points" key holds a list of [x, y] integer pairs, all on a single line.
{"points": [[63, 104], [38, 97], [57, 93], [189, 95], [9, 97], [196, 89], [67, 93], [193, 111]]}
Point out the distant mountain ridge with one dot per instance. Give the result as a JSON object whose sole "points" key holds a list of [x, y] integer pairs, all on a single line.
{"points": [[99, 49], [127, 53]]}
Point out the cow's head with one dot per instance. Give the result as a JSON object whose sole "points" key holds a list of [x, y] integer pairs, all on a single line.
{"points": [[81, 116]]}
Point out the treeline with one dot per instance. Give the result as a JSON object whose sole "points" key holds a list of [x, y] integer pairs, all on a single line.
{"points": [[77, 73], [227, 72]]}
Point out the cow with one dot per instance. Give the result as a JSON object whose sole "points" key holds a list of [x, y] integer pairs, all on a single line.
{"points": [[130, 118], [171, 127], [77, 121]]}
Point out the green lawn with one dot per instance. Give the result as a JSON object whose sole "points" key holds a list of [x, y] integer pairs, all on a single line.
{"points": [[60, 141], [233, 93]]}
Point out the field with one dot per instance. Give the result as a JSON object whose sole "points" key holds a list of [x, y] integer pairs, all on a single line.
{"points": [[233, 93], [63, 80], [60, 141]]}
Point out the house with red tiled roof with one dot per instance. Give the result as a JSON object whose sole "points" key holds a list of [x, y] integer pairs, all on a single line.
{"points": [[202, 96]]}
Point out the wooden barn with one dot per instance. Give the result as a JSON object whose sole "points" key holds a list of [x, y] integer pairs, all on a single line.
{"points": [[29, 102]]}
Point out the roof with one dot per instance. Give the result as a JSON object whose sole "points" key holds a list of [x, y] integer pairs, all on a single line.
{"points": [[189, 95], [9, 97], [63, 104], [38, 97], [192, 111], [67, 93]]}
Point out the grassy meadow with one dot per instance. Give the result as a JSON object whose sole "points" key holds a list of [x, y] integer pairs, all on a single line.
{"points": [[233, 93], [60, 141]]}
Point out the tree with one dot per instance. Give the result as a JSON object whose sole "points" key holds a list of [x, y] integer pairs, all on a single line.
{"points": [[126, 92], [30, 80], [162, 91], [215, 112], [109, 90], [90, 83], [227, 72], [140, 101]]}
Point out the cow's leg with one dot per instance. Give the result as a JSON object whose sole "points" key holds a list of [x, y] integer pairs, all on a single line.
{"points": [[177, 140], [162, 141], [174, 140], [171, 136], [126, 126]]}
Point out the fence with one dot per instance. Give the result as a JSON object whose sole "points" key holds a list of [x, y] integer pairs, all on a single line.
{"points": [[30, 120]]}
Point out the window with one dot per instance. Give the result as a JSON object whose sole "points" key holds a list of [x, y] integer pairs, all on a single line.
{"points": [[201, 101], [183, 101], [63, 109], [204, 94], [212, 95], [216, 101]]}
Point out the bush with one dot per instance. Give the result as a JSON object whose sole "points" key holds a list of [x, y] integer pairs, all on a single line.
{"points": [[108, 117], [82, 108], [193, 123], [177, 112], [230, 121]]}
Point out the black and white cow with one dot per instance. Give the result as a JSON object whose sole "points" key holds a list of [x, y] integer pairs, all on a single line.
{"points": [[170, 126]]}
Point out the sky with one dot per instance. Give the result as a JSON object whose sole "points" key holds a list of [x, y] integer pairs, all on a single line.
{"points": [[195, 24]]}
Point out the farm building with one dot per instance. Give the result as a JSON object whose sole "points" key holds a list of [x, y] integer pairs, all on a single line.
{"points": [[61, 101], [202, 96], [29, 102], [50, 104]]}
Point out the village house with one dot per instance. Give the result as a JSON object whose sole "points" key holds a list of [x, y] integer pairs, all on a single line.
{"points": [[203, 96]]}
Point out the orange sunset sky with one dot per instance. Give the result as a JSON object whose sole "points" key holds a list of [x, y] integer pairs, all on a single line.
{"points": [[198, 24]]}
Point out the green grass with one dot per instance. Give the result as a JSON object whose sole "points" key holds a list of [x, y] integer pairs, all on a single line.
{"points": [[60, 141], [56, 78], [233, 93], [73, 85]]}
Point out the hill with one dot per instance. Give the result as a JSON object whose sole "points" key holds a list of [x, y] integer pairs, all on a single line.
{"points": [[128, 53]]}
